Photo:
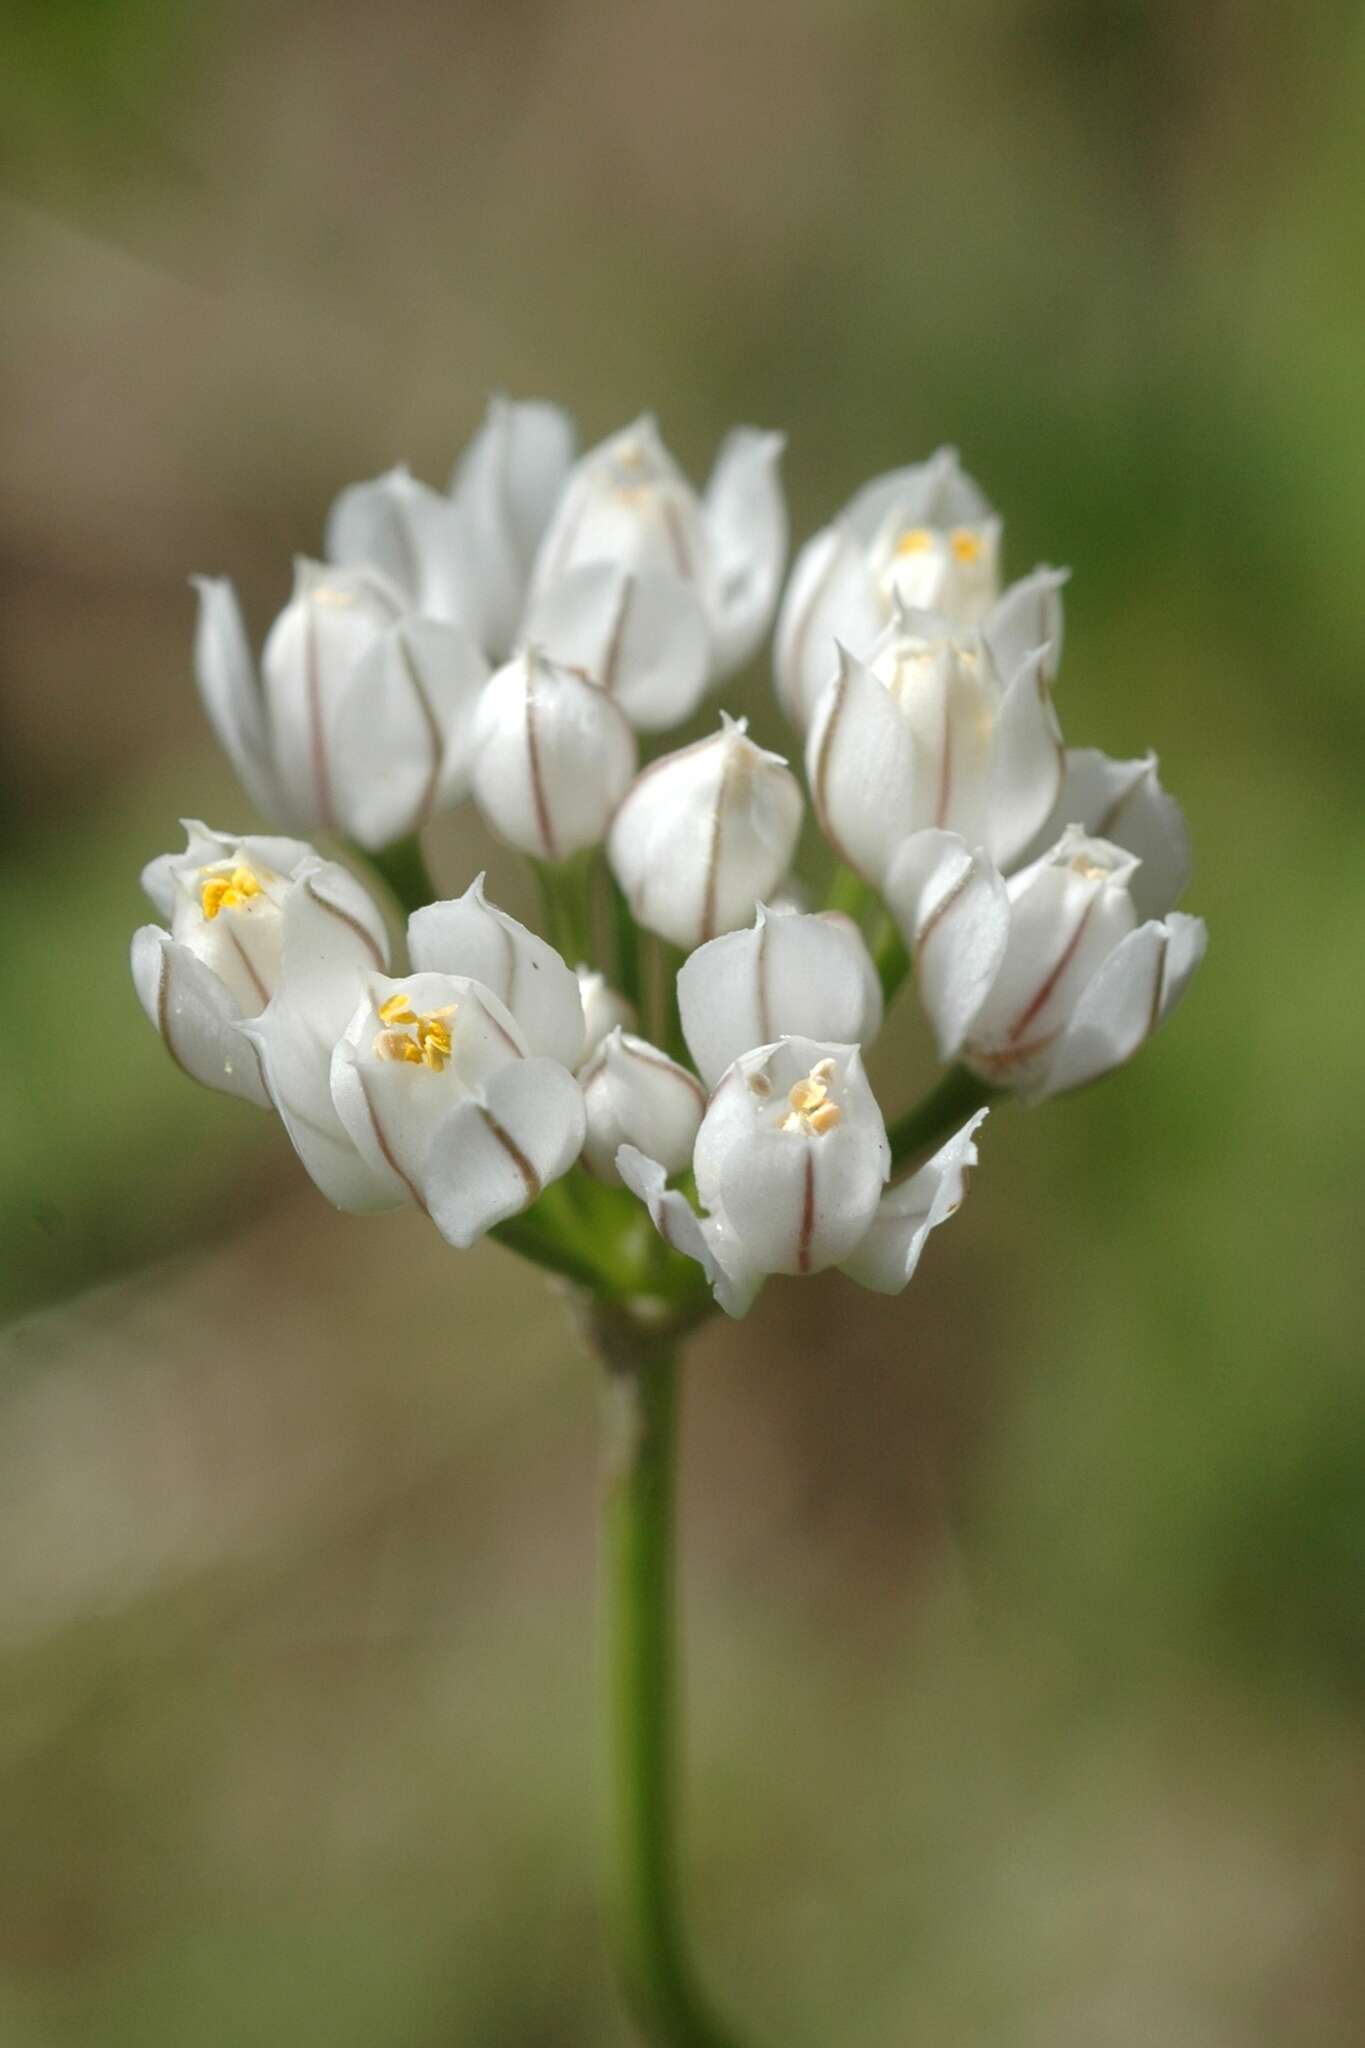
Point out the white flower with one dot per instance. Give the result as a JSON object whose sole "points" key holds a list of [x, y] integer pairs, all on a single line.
{"points": [[636, 1095], [553, 757], [812, 977], [446, 1106], [704, 834], [603, 1009], [242, 912], [930, 733], [655, 591], [1045, 981], [362, 725], [465, 558], [924, 538], [791, 1164], [470, 936], [1124, 801]]}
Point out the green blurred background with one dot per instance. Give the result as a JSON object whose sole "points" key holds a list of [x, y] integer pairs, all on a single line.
{"points": [[1026, 1614]]}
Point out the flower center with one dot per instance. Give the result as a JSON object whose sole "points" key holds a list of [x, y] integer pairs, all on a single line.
{"points": [[420, 1041], [1092, 870], [810, 1112], [232, 891]]}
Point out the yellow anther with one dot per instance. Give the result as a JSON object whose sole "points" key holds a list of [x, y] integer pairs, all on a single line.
{"points": [[396, 1045], [427, 1043], [916, 540], [811, 1113], [966, 546], [1091, 870], [228, 892]]}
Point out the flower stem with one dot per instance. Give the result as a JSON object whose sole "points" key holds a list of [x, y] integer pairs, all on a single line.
{"points": [[641, 1709], [943, 1110]]}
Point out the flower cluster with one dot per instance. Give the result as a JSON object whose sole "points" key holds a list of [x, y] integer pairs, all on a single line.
{"points": [[516, 640]]}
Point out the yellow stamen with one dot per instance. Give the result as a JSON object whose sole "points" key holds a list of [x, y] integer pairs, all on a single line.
{"points": [[811, 1112], [916, 540], [228, 892], [1090, 869], [967, 547], [428, 1043]]}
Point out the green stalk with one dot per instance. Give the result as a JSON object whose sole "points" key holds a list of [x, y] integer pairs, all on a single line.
{"points": [[942, 1111], [404, 870], [641, 1706]]}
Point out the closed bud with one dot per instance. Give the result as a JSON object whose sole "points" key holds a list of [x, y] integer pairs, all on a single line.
{"points": [[705, 834], [1045, 981], [635, 1095], [928, 734], [553, 757]]}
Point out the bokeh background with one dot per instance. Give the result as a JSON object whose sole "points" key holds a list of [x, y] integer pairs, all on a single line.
{"points": [[1026, 1615]]}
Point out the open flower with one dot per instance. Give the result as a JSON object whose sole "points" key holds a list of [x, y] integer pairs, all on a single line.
{"points": [[1047, 980], [656, 591], [924, 538], [636, 1095], [446, 1106], [704, 834], [930, 733], [811, 976], [1124, 801], [791, 1164], [363, 719], [470, 936], [242, 912]]}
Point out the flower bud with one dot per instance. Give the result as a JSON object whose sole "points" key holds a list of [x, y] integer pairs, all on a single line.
{"points": [[925, 735], [1045, 981], [635, 1095], [603, 1010], [788, 976], [704, 834], [553, 756], [435, 1088], [363, 725], [652, 589]]}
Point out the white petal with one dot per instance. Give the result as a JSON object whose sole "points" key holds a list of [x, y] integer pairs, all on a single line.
{"points": [[861, 766], [471, 936], [231, 693], [1125, 802], [735, 1282], [603, 1010], [1027, 759], [936, 493], [641, 635], [505, 486], [1024, 618], [705, 834], [490, 1158], [798, 1203], [196, 1016], [831, 600], [400, 735], [1140, 983], [413, 536], [634, 1094], [746, 516], [790, 975], [886, 1259], [953, 910], [553, 757]]}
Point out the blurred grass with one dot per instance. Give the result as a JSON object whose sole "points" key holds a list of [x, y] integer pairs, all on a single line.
{"points": [[1027, 1641]]}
